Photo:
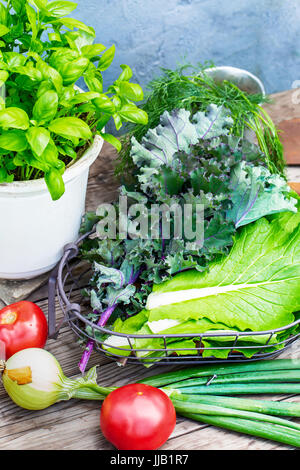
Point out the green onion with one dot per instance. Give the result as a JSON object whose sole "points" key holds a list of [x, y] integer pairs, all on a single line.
{"points": [[211, 370], [277, 408], [247, 377], [190, 407], [239, 389], [270, 431]]}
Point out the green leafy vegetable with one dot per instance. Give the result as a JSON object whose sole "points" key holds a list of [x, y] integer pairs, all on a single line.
{"points": [[256, 193], [255, 287], [42, 55], [195, 159], [191, 88]]}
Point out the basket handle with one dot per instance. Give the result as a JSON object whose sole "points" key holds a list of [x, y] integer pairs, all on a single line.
{"points": [[52, 331], [71, 251]]}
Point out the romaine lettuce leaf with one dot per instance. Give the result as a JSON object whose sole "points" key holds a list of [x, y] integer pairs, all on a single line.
{"points": [[256, 287]]}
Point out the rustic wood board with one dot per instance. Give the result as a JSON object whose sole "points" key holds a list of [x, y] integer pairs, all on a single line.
{"points": [[75, 424], [285, 112]]}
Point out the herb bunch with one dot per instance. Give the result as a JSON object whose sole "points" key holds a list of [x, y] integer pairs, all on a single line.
{"points": [[176, 89], [45, 122]]}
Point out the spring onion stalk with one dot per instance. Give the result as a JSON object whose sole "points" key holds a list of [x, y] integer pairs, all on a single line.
{"points": [[212, 410], [91, 393], [270, 431], [34, 380], [240, 389], [276, 408], [209, 371], [248, 377]]}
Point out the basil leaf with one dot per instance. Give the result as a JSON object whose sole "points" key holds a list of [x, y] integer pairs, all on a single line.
{"points": [[29, 71], [69, 127], [93, 83], [13, 140], [72, 71], [50, 154], [44, 86], [3, 77], [14, 59], [5, 177], [117, 120], [18, 5], [103, 103], [61, 8], [70, 152], [54, 37], [3, 30], [107, 58], [38, 139], [38, 164], [50, 73], [101, 123], [126, 74], [3, 14], [132, 91], [45, 108], [83, 97], [112, 140], [39, 4], [67, 94], [72, 23], [131, 113], [55, 183], [93, 50], [14, 117], [31, 15]]}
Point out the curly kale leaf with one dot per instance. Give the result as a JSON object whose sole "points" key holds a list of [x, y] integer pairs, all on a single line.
{"points": [[257, 193], [176, 133]]}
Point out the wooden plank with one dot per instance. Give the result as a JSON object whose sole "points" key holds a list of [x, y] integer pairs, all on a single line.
{"points": [[285, 112]]}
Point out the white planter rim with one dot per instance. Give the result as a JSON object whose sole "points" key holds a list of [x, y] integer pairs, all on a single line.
{"points": [[86, 160]]}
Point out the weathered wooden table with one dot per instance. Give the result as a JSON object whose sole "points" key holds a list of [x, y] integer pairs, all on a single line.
{"points": [[75, 424]]}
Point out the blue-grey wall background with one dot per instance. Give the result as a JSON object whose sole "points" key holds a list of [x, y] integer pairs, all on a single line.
{"points": [[261, 36]]}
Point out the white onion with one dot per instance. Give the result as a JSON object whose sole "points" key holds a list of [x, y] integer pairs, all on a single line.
{"points": [[44, 382]]}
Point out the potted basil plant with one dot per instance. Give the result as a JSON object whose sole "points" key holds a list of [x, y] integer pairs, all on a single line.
{"points": [[51, 131]]}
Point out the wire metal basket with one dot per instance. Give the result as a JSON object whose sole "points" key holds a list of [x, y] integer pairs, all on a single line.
{"points": [[67, 282]]}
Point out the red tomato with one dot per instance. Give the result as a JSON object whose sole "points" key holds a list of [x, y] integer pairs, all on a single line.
{"points": [[22, 325], [137, 417]]}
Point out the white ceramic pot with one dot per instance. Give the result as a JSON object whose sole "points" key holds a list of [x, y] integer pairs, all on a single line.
{"points": [[33, 228]]}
